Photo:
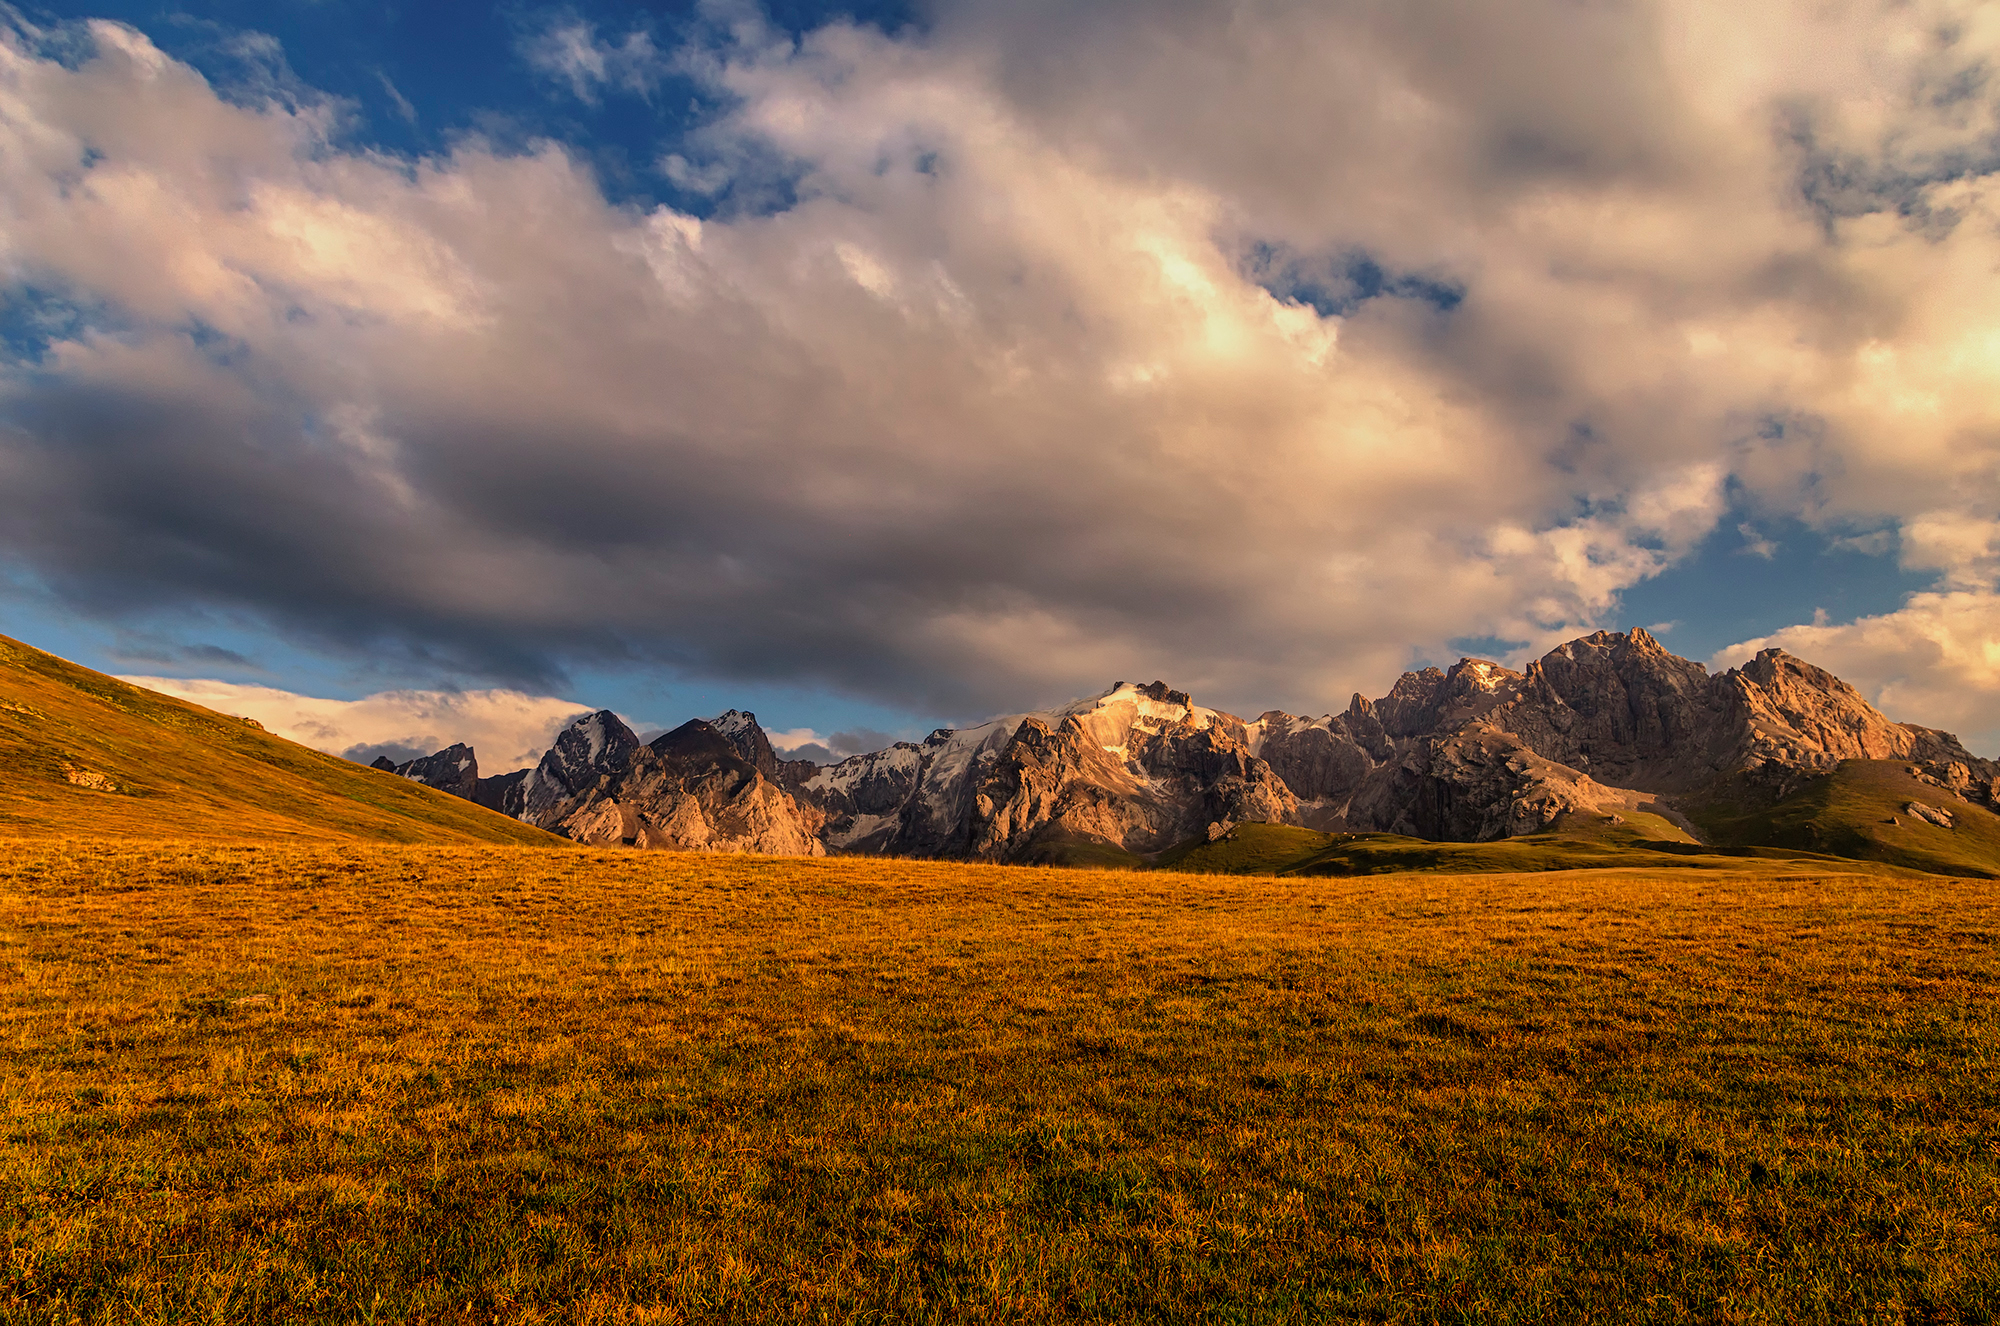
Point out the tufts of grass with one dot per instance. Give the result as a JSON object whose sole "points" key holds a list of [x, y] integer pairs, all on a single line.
{"points": [[88, 754], [1250, 849], [462, 1084], [1597, 842], [1080, 854]]}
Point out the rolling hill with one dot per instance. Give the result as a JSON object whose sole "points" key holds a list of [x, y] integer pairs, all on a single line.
{"points": [[1833, 842], [86, 755], [1861, 811]]}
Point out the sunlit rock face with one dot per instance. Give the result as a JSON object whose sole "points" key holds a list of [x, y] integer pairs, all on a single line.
{"points": [[739, 727], [691, 791], [591, 748], [1136, 768], [1604, 722]]}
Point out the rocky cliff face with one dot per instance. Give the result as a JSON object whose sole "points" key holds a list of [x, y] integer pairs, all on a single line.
{"points": [[1607, 721], [455, 769], [692, 791], [591, 748], [1136, 768], [740, 729]]}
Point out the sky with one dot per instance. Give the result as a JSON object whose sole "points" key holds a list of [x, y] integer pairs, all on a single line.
{"points": [[401, 374]]}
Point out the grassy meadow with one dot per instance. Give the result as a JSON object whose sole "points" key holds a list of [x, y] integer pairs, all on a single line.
{"points": [[470, 1084]]}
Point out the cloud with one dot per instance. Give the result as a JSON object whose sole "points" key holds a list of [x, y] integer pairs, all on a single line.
{"points": [[508, 729], [801, 743], [797, 736], [404, 110], [1875, 544], [134, 648], [1755, 544], [1257, 345], [569, 51], [806, 744]]}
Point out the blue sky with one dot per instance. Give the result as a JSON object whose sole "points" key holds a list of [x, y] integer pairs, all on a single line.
{"points": [[885, 366], [418, 76]]}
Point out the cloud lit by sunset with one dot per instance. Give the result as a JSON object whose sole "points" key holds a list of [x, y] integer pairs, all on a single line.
{"points": [[952, 361]]}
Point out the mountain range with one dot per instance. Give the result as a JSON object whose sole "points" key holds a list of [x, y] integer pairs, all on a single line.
{"points": [[1609, 729]]}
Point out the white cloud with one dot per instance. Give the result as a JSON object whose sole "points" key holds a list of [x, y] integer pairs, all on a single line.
{"points": [[404, 110], [1755, 544], [986, 408], [508, 730], [570, 51]]}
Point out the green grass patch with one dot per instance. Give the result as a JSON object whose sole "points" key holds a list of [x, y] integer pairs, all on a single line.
{"points": [[1080, 854], [1860, 811], [357, 1083], [1250, 849], [1581, 842]]}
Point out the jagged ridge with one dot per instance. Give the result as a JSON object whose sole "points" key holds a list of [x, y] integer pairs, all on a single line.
{"points": [[1606, 723]]}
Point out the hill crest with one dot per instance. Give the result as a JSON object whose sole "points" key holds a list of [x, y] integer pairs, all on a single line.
{"points": [[85, 754]]}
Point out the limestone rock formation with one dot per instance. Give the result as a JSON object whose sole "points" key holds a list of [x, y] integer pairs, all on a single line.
{"points": [[1930, 814], [593, 747], [692, 791], [1607, 721], [1137, 768], [739, 727]]}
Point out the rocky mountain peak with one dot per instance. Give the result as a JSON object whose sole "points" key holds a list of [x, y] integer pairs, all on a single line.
{"points": [[1411, 704], [692, 790], [1162, 693], [739, 727], [1469, 675], [595, 746], [1113, 718], [455, 769], [1802, 716], [1472, 687]]}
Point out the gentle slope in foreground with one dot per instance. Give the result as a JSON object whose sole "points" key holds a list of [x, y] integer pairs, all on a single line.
{"points": [[83, 753]]}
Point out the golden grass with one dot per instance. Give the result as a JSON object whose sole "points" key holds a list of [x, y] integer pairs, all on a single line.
{"points": [[487, 1084]]}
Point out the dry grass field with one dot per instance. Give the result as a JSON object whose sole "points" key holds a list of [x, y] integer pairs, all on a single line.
{"points": [[471, 1084]]}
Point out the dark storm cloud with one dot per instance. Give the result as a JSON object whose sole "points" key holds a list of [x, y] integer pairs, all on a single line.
{"points": [[990, 407]]}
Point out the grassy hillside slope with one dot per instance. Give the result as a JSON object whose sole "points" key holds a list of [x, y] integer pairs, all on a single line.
{"points": [[83, 753], [1860, 811], [469, 1085]]}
